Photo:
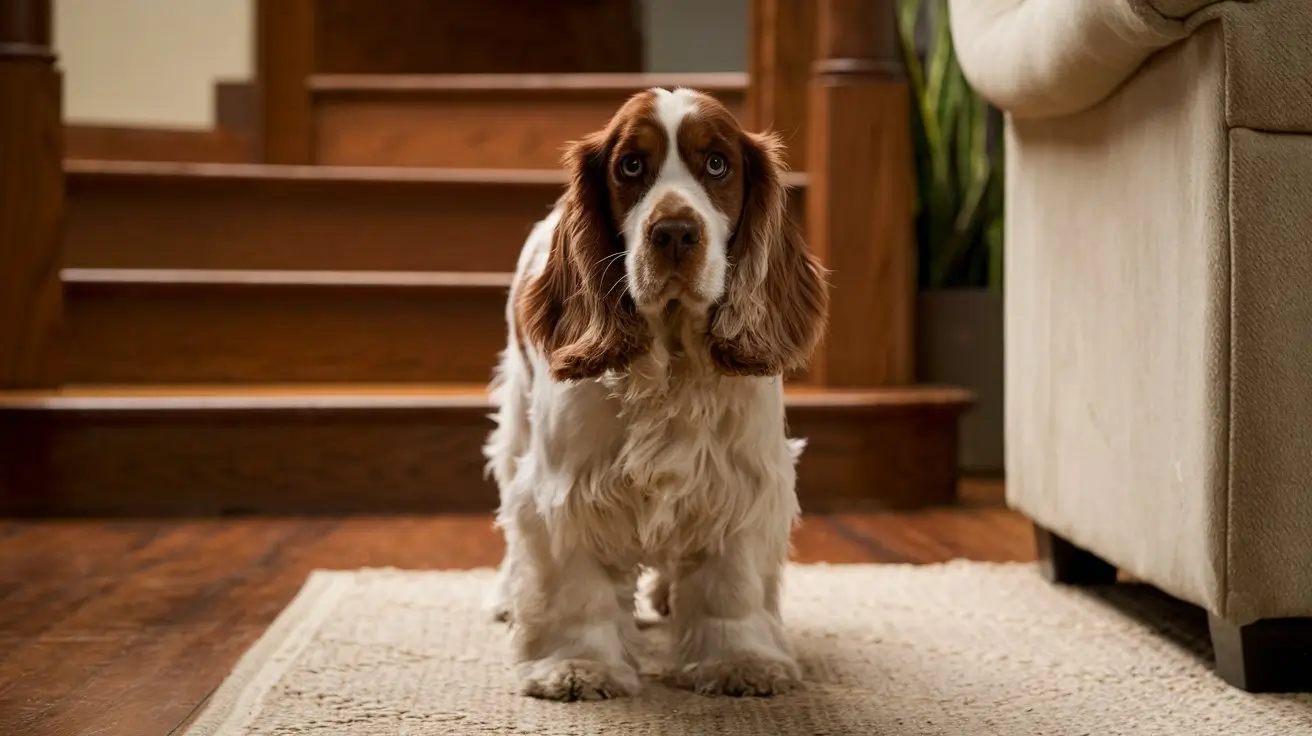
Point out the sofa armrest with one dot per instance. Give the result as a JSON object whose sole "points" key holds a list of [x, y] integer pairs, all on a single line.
{"points": [[1044, 58]]}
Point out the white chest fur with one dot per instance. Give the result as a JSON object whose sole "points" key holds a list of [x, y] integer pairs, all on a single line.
{"points": [[656, 468]]}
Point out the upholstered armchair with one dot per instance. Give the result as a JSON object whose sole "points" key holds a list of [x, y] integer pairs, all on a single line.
{"points": [[1159, 301]]}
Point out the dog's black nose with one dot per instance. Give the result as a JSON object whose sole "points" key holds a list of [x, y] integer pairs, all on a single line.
{"points": [[675, 236]]}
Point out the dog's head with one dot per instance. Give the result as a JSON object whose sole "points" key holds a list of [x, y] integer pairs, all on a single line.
{"points": [[673, 204]]}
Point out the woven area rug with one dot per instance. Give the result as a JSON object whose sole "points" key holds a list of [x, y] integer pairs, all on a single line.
{"points": [[962, 648]]}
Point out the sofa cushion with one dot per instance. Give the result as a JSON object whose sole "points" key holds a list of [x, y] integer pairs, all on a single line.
{"points": [[1044, 58]]}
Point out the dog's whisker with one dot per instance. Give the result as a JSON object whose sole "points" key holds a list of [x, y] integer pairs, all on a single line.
{"points": [[622, 280], [609, 259]]}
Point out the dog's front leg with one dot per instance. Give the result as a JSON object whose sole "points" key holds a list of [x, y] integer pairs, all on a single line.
{"points": [[726, 619], [572, 632]]}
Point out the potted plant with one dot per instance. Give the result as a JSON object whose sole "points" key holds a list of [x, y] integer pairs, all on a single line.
{"points": [[959, 162]]}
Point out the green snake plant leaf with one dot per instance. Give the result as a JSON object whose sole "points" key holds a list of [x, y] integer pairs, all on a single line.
{"points": [[958, 199]]}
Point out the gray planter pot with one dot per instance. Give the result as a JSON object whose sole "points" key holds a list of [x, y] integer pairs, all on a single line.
{"points": [[959, 342]]}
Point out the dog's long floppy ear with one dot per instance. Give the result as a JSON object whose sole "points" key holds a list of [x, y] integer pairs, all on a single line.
{"points": [[576, 311], [774, 311]]}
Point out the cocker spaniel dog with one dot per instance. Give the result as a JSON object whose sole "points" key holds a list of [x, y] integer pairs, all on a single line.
{"points": [[653, 315]]}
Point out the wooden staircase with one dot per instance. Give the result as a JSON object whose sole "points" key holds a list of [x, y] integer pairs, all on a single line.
{"points": [[490, 121], [312, 331]]}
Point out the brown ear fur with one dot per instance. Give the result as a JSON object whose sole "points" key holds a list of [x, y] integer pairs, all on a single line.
{"points": [[774, 311], [575, 310]]}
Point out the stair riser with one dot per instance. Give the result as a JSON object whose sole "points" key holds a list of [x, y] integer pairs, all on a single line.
{"points": [[391, 461], [473, 130], [206, 333], [342, 225], [147, 333], [188, 222]]}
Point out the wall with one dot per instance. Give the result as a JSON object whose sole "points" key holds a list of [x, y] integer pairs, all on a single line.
{"points": [[150, 63], [696, 35]]}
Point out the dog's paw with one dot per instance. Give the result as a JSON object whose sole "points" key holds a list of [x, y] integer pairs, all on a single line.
{"points": [[744, 675], [577, 679]]}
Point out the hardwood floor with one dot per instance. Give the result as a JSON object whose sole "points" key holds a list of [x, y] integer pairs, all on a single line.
{"points": [[124, 628]]}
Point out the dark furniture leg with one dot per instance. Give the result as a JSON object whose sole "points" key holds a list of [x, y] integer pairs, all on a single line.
{"points": [[1063, 562], [1268, 656]]}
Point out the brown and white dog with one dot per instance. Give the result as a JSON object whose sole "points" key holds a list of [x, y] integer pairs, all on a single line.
{"points": [[653, 315]]}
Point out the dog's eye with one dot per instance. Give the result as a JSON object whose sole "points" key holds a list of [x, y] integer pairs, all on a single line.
{"points": [[631, 166], [716, 165]]}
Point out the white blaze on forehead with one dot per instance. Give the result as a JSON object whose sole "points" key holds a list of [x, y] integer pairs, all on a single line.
{"points": [[671, 109]]}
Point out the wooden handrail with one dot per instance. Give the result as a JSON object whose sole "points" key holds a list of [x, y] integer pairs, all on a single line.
{"points": [[31, 193], [859, 204]]}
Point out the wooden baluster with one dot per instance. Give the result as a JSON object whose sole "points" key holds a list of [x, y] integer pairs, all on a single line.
{"points": [[31, 193], [859, 198], [781, 39], [285, 55]]}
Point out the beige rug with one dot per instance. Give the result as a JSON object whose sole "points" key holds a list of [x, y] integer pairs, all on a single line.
{"points": [[964, 649]]}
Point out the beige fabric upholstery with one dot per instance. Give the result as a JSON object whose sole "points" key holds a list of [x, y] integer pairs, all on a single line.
{"points": [[1045, 58], [1270, 480], [1159, 298], [1269, 65]]}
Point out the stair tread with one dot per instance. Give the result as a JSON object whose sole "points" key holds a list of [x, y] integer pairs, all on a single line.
{"points": [[435, 83], [312, 173], [95, 169], [247, 277], [400, 396]]}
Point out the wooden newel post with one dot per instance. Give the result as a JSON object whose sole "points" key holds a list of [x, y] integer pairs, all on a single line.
{"points": [[859, 201], [781, 45], [31, 193]]}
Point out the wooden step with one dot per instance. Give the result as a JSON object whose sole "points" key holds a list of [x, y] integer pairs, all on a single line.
{"points": [[235, 216], [370, 449], [485, 120], [208, 326], [164, 215]]}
